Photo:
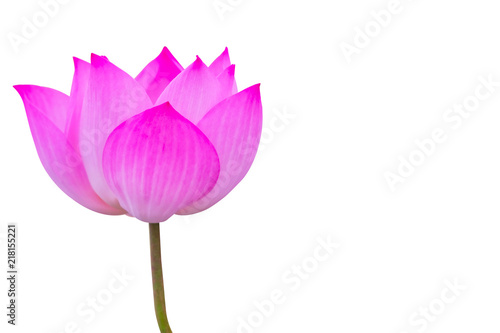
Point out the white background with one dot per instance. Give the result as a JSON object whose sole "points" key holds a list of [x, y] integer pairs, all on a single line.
{"points": [[320, 174]]}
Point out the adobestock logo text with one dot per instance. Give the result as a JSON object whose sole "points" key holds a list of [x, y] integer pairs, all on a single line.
{"points": [[426, 315], [454, 118], [31, 26], [364, 35], [293, 278]]}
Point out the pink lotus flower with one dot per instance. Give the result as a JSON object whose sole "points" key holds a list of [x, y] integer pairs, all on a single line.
{"points": [[170, 141]]}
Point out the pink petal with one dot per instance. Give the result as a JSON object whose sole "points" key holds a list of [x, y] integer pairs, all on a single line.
{"points": [[45, 99], [61, 161], [157, 162], [221, 63], [234, 127], [227, 82], [156, 76], [78, 91], [193, 92], [112, 97]]}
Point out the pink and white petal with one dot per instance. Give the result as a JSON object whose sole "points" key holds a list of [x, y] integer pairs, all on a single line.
{"points": [[52, 103], [61, 161], [157, 162], [78, 91], [227, 82], [234, 127], [156, 76], [193, 92], [112, 97], [221, 63]]}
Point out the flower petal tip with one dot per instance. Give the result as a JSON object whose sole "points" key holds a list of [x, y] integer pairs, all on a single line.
{"points": [[78, 61], [18, 87], [97, 60], [165, 53], [165, 107], [24, 89], [254, 89], [231, 70], [198, 64]]}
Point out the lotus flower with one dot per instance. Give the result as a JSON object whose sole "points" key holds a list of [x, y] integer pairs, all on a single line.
{"points": [[171, 141]]}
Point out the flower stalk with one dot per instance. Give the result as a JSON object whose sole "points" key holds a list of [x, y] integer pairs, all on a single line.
{"points": [[157, 273]]}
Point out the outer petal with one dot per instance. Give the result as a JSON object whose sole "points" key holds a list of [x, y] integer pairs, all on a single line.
{"points": [[61, 161], [112, 97], [156, 76], [234, 127], [193, 92], [221, 63], [158, 162], [227, 82], [52, 103], [78, 91]]}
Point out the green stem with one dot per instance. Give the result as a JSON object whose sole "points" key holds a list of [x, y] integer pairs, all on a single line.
{"points": [[158, 291]]}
